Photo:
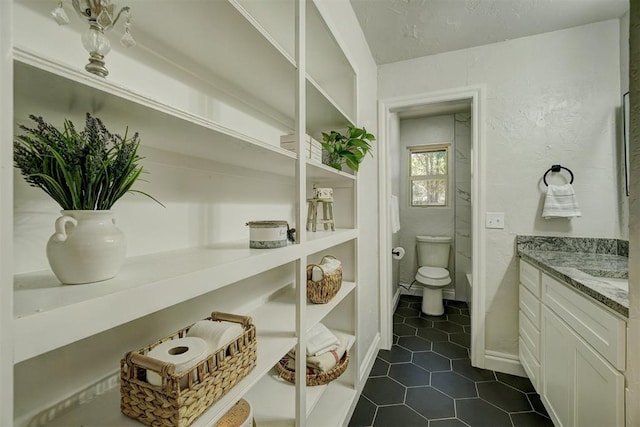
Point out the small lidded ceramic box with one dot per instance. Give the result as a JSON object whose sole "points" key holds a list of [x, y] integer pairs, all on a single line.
{"points": [[323, 193], [268, 234]]}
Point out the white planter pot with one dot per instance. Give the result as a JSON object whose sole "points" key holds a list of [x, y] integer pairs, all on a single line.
{"points": [[86, 247]]}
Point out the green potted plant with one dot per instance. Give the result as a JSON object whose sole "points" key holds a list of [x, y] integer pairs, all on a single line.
{"points": [[85, 172], [349, 149]]}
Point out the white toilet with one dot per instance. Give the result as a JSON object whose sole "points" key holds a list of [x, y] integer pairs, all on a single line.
{"points": [[433, 260]]}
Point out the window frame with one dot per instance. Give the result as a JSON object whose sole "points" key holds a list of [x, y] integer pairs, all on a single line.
{"points": [[446, 147]]}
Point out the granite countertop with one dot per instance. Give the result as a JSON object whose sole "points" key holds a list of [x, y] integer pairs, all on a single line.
{"points": [[596, 269]]}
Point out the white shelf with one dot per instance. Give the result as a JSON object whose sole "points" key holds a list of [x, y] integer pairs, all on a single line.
{"points": [[214, 80], [210, 41], [273, 400], [316, 312], [274, 19], [321, 240], [262, 387], [322, 173], [42, 304], [275, 333], [328, 66], [268, 395], [323, 113], [206, 32], [333, 408], [51, 85]]}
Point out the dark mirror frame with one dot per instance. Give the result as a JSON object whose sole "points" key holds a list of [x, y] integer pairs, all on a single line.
{"points": [[625, 138]]}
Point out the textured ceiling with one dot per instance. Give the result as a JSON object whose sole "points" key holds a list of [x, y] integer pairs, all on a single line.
{"points": [[403, 29]]}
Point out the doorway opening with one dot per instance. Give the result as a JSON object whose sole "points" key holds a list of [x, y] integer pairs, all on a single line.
{"points": [[391, 113]]}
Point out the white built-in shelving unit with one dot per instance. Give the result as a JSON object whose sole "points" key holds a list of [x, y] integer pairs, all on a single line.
{"points": [[211, 87]]}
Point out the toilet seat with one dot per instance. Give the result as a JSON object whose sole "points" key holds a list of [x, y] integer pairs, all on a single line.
{"points": [[433, 276]]}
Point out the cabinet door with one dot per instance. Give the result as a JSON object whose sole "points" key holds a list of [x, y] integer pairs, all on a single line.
{"points": [[557, 364], [580, 388], [599, 389]]}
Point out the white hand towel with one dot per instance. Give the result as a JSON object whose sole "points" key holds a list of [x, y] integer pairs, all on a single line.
{"points": [[560, 202], [395, 214], [320, 338], [328, 266]]}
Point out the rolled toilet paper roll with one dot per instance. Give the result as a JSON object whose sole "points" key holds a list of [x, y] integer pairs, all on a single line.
{"points": [[214, 333], [183, 353], [397, 252]]}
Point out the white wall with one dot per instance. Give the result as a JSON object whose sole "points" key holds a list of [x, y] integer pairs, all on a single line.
{"points": [[550, 98]]}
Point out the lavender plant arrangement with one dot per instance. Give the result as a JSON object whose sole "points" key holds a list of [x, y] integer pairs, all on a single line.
{"points": [[85, 172]]}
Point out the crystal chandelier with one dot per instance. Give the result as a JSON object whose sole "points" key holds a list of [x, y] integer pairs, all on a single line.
{"points": [[101, 16]]}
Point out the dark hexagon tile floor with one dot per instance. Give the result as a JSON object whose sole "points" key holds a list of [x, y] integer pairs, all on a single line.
{"points": [[426, 379], [384, 391], [414, 343]]}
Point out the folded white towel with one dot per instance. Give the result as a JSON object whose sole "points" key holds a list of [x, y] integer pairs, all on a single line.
{"points": [[395, 214], [324, 350], [320, 339], [560, 202], [328, 266], [322, 363]]}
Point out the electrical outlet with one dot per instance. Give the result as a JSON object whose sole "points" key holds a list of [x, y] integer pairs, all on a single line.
{"points": [[495, 220]]}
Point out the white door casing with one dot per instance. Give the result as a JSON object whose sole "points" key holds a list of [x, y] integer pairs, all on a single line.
{"points": [[386, 107]]}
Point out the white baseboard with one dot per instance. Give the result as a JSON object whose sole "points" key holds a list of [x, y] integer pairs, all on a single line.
{"points": [[396, 298], [368, 361], [503, 362], [417, 291], [449, 294]]}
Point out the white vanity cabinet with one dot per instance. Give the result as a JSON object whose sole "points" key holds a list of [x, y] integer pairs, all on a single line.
{"points": [[579, 373], [211, 86]]}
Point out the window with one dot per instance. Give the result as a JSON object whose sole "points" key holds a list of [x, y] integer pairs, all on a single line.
{"points": [[429, 175]]}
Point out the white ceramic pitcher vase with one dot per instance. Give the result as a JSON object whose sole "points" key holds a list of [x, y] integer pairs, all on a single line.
{"points": [[86, 247]]}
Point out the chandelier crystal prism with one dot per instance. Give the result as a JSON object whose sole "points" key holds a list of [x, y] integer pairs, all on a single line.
{"points": [[101, 16]]}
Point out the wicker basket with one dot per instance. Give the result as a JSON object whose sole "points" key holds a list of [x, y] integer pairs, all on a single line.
{"points": [[171, 404], [323, 291], [314, 379]]}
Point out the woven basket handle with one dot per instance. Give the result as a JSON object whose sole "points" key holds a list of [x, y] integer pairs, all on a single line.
{"points": [[310, 270], [310, 266], [135, 358], [245, 321]]}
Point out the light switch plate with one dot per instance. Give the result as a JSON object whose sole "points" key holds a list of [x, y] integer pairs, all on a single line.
{"points": [[495, 220]]}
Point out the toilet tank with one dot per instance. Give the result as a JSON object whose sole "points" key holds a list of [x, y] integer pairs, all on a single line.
{"points": [[433, 251]]}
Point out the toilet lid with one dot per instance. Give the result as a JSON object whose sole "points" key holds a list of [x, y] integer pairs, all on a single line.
{"points": [[433, 272]]}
